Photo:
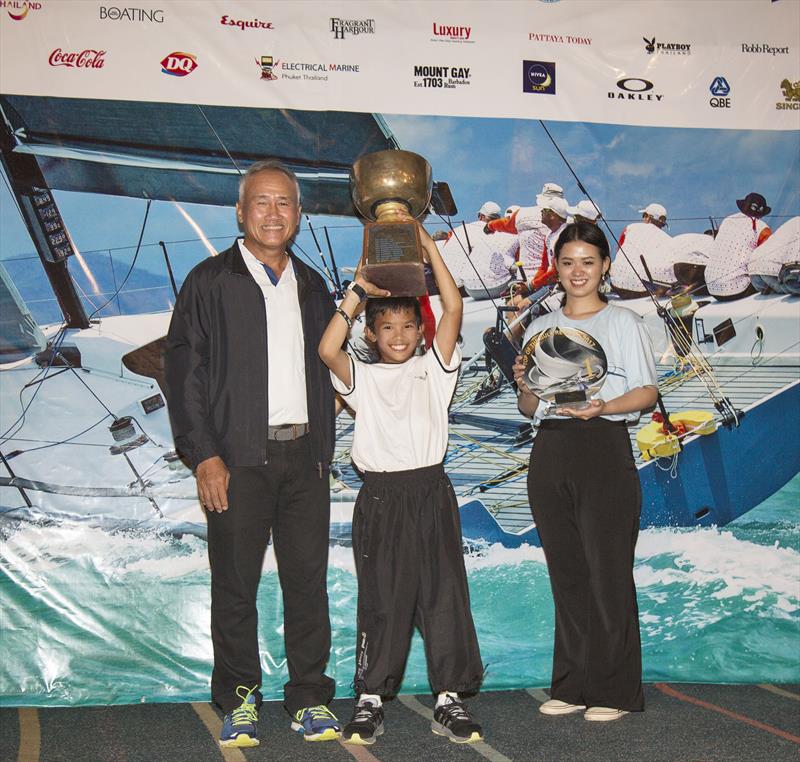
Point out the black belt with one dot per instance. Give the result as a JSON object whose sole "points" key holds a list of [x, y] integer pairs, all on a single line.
{"points": [[287, 432]]}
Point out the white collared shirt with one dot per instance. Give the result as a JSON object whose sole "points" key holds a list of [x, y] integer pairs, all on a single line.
{"points": [[286, 366]]}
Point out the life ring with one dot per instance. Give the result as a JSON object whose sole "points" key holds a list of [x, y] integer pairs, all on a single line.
{"points": [[656, 441]]}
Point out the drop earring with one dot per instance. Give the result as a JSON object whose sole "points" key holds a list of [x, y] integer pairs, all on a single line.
{"points": [[605, 284]]}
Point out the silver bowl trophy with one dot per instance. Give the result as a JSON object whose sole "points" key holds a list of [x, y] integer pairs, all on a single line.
{"points": [[382, 183], [564, 367]]}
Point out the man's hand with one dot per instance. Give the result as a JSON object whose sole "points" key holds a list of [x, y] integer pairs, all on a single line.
{"points": [[213, 478], [371, 288]]}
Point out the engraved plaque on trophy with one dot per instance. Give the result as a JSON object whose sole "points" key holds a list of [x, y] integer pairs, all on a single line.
{"points": [[383, 184]]}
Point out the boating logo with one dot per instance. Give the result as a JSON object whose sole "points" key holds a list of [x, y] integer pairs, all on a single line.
{"points": [[84, 59], [652, 46], [112, 13], [763, 47], [563, 39], [248, 24], [266, 64], [635, 89], [19, 9], [447, 33], [791, 96], [446, 77], [720, 89], [178, 64], [539, 77], [353, 27]]}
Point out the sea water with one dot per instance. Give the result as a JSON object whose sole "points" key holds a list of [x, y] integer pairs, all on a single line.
{"points": [[91, 616]]}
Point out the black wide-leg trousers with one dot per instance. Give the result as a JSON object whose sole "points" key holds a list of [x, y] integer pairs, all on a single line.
{"points": [[585, 496], [410, 567], [289, 498]]}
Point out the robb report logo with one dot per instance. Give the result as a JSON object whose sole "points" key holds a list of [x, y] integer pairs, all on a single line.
{"points": [[791, 96], [178, 64], [563, 39], [19, 9], [765, 48], [84, 59], [113, 13], [635, 89], [446, 33], [539, 77], [720, 90], [446, 77], [307, 70], [667, 48], [341, 27], [248, 24]]}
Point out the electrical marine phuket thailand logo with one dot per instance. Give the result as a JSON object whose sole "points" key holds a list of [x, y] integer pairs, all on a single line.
{"points": [[448, 33], [178, 64], [720, 90], [652, 46], [635, 89], [791, 96], [82, 59], [241, 25], [445, 77], [539, 77], [563, 39], [19, 9], [266, 64], [113, 13], [302, 70], [353, 27]]}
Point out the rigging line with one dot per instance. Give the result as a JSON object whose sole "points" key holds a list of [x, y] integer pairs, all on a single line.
{"points": [[68, 440], [219, 139], [308, 259], [133, 262]]}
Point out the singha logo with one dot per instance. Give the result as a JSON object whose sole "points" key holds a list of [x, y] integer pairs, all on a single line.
{"points": [[791, 91], [650, 45]]}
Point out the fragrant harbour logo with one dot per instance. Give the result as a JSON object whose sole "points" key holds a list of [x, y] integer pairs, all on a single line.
{"points": [[354, 27]]}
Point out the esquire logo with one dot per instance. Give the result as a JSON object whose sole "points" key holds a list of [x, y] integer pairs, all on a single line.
{"points": [[19, 9], [113, 13], [447, 77], [635, 89], [241, 25], [764, 48], [720, 90], [83, 59], [563, 39], [352, 27], [652, 46], [791, 96], [447, 33], [539, 77], [178, 64]]}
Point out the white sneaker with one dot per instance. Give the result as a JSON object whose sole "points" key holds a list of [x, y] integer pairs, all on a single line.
{"points": [[554, 706], [603, 714]]}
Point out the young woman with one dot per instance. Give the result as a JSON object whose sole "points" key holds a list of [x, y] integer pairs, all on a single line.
{"points": [[585, 494]]}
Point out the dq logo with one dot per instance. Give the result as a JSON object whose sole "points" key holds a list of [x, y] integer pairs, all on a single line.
{"points": [[178, 64]]}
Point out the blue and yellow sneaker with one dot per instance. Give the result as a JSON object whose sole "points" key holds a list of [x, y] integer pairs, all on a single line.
{"points": [[239, 727], [317, 723]]}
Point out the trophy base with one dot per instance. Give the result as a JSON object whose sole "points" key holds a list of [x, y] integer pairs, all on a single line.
{"points": [[576, 399], [400, 278]]}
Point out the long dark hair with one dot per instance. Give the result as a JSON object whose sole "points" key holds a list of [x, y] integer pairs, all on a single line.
{"points": [[587, 233]]}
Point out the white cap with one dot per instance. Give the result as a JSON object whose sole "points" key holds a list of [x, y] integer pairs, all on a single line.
{"points": [[554, 204], [511, 209], [654, 210], [489, 208], [551, 189], [586, 209]]}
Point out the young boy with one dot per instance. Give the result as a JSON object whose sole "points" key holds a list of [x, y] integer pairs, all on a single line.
{"points": [[406, 527]]}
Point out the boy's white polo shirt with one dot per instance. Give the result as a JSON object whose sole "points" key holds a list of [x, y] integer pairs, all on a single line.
{"points": [[401, 410]]}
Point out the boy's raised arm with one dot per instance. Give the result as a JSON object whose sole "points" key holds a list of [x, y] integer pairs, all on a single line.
{"points": [[452, 304]]}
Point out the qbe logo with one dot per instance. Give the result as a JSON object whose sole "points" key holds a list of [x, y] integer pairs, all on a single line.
{"points": [[720, 90], [178, 64], [539, 77]]}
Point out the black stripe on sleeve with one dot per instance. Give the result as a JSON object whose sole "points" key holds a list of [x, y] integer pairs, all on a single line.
{"points": [[352, 378], [441, 362]]}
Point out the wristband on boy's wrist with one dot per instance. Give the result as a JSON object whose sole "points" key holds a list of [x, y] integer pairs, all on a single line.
{"points": [[357, 290], [347, 318]]}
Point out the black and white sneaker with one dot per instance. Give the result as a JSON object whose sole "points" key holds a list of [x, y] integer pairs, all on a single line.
{"points": [[453, 720], [365, 725]]}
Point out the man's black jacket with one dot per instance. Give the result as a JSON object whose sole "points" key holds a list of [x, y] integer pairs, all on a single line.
{"points": [[216, 363]]}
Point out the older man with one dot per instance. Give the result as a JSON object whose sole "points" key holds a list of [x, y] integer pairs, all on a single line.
{"points": [[252, 409]]}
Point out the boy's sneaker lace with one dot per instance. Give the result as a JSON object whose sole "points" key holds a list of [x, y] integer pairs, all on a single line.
{"points": [[453, 720], [239, 727], [365, 725]]}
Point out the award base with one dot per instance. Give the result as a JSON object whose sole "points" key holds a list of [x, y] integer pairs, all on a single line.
{"points": [[393, 258], [575, 399]]}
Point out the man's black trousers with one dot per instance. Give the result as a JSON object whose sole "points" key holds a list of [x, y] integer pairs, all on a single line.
{"points": [[410, 566], [586, 497], [288, 497]]}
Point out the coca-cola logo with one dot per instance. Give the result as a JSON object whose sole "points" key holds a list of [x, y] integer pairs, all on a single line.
{"points": [[178, 64], [84, 59]]}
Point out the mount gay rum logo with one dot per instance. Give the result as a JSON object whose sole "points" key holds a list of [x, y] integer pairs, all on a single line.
{"points": [[178, 64], [84, 59]]}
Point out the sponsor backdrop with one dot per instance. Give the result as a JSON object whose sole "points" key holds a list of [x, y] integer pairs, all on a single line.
{"points": [[108, 608]]}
